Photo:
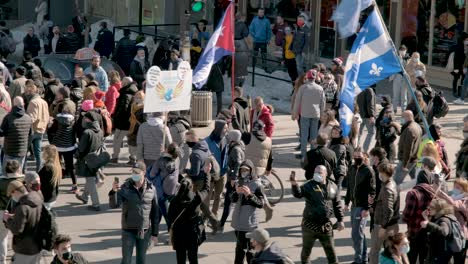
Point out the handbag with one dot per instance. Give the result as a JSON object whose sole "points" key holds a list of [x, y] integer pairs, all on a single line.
{"points": [[97, 159], [171, 232]]}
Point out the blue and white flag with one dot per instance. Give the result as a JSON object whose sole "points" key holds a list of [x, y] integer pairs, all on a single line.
{"points": [[347, 16], [372, 59]]}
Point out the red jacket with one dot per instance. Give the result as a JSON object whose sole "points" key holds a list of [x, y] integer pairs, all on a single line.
{"points": [[265, 116], [111, 97]]}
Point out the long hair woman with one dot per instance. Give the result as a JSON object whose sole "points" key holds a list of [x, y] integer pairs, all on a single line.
{"points": [[395, 249], [113, 92], [50, 175], [187, 223]]}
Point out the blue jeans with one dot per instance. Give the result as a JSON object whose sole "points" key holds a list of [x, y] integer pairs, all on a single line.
{"points": [[163, 209], [300, 63], [358, 236], [21, 160], [130, 240], [227, 202], [36, 141], [309, 130], [464, 89], [370, 133]]}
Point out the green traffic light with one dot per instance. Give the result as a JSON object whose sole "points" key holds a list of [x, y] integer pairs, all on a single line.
{"points": [[197, 6]]}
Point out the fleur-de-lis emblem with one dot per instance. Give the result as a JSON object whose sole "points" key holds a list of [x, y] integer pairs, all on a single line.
{"points": [[375, 70]]}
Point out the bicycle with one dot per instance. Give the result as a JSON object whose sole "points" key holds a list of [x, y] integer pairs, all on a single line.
{"points": [[273, 187]]}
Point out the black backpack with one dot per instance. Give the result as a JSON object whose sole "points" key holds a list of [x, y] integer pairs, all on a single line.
{"points": [[440, 106], [46, 229]]}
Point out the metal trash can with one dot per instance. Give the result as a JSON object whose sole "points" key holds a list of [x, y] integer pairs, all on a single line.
{"points": [[201, 111]]}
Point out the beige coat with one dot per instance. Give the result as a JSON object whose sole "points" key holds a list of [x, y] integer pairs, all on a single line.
{"points": [[258, 152], [38, 110], [411, 68], [17, 87]]}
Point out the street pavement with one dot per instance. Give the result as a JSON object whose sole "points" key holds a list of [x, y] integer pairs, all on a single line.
{"points": [[97, 234]]}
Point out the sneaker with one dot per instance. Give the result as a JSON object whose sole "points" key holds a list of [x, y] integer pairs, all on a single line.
{"points": [[298, 147], [79, 197], [95, 208], [74, 189], [459, 102], [298, 156], [114, 161]]}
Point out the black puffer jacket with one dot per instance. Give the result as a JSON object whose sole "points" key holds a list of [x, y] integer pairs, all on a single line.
{"points": [[124, 106], [139, 211], [16, 129], [361, 184], [340, 151], [322, 200], [90, 141], [73, 41], [51, 90], [124, 53], [241, 120], [320, 156], [65, 134]]}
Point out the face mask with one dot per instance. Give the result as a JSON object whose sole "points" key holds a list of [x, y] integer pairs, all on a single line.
{"points": [[244, 174], [358, 161], [36, 187], [416, 60], [318, 178], [404, 249], [136, 177], [142, 57], [300, 23], [67, 255], [190, 144]]}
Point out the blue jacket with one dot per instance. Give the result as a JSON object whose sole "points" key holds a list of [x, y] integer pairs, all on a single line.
{"points": [[219, 151], [260, 30], [101, 77]]}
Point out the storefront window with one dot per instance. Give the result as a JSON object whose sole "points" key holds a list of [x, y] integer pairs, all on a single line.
{"points": [[327, 29], [415, 26], [9, 10], [449, 23]]}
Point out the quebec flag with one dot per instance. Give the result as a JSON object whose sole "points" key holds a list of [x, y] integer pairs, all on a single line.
{"points": [[220, 44], [372, 59]]}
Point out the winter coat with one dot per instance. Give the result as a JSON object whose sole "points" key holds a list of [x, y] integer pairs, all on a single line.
{"points": [[168, 169], [38, 110], [241, 119], [124, 53], [462, 159], [245, 215], [271, 254], [366, 103], [188, 228], [73, 42], [417, 200], [123, 107], [64, 138], [387, 207], [101, 77], [61, 46], [16, 130], [51, 90], [90, 141], [266, 117], [310, 101], [32, 44], [339, 148], [48, 189], [140, 211], [215, 81], [331, 95], [260, 30], [57, 107], [137, 72], [460, 205], [410, 138], [439, 229], [258, 150], [200, 153], [137, 117], [236, 155], [322, 201], [5, 180], [361, 184], [320, 155], [300, 40], [218, 150], [105, 43], [17, 87], [150, 140], [242, 53], [76, 258], [111, 97], [23, 224]]}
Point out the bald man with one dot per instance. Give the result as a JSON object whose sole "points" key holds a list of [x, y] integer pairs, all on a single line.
{"points": [[410, 139], [16, 129], [321, 197]]}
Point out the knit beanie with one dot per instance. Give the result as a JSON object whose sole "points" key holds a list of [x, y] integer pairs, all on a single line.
{"points": [[234, 135], [87, 105]]}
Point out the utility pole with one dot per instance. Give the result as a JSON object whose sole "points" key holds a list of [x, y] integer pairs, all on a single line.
{"points": [[184, 27]]}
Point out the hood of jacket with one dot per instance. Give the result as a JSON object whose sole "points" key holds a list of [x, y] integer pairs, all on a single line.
{"points": [[65, 119], [18, 111], [33, 199], [248, 163], [94, 126], [217, 132], [425, 189], [242, 102], [155, 121], [259, 134], [130, 88], [201, 145]]}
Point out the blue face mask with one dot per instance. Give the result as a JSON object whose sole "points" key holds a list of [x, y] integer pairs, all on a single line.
{"points": [[136, 177], [404, 249], [386, 120]]}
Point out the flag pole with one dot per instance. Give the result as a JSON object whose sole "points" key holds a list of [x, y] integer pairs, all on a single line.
{"points": [[405, 74], [233, 57]]}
